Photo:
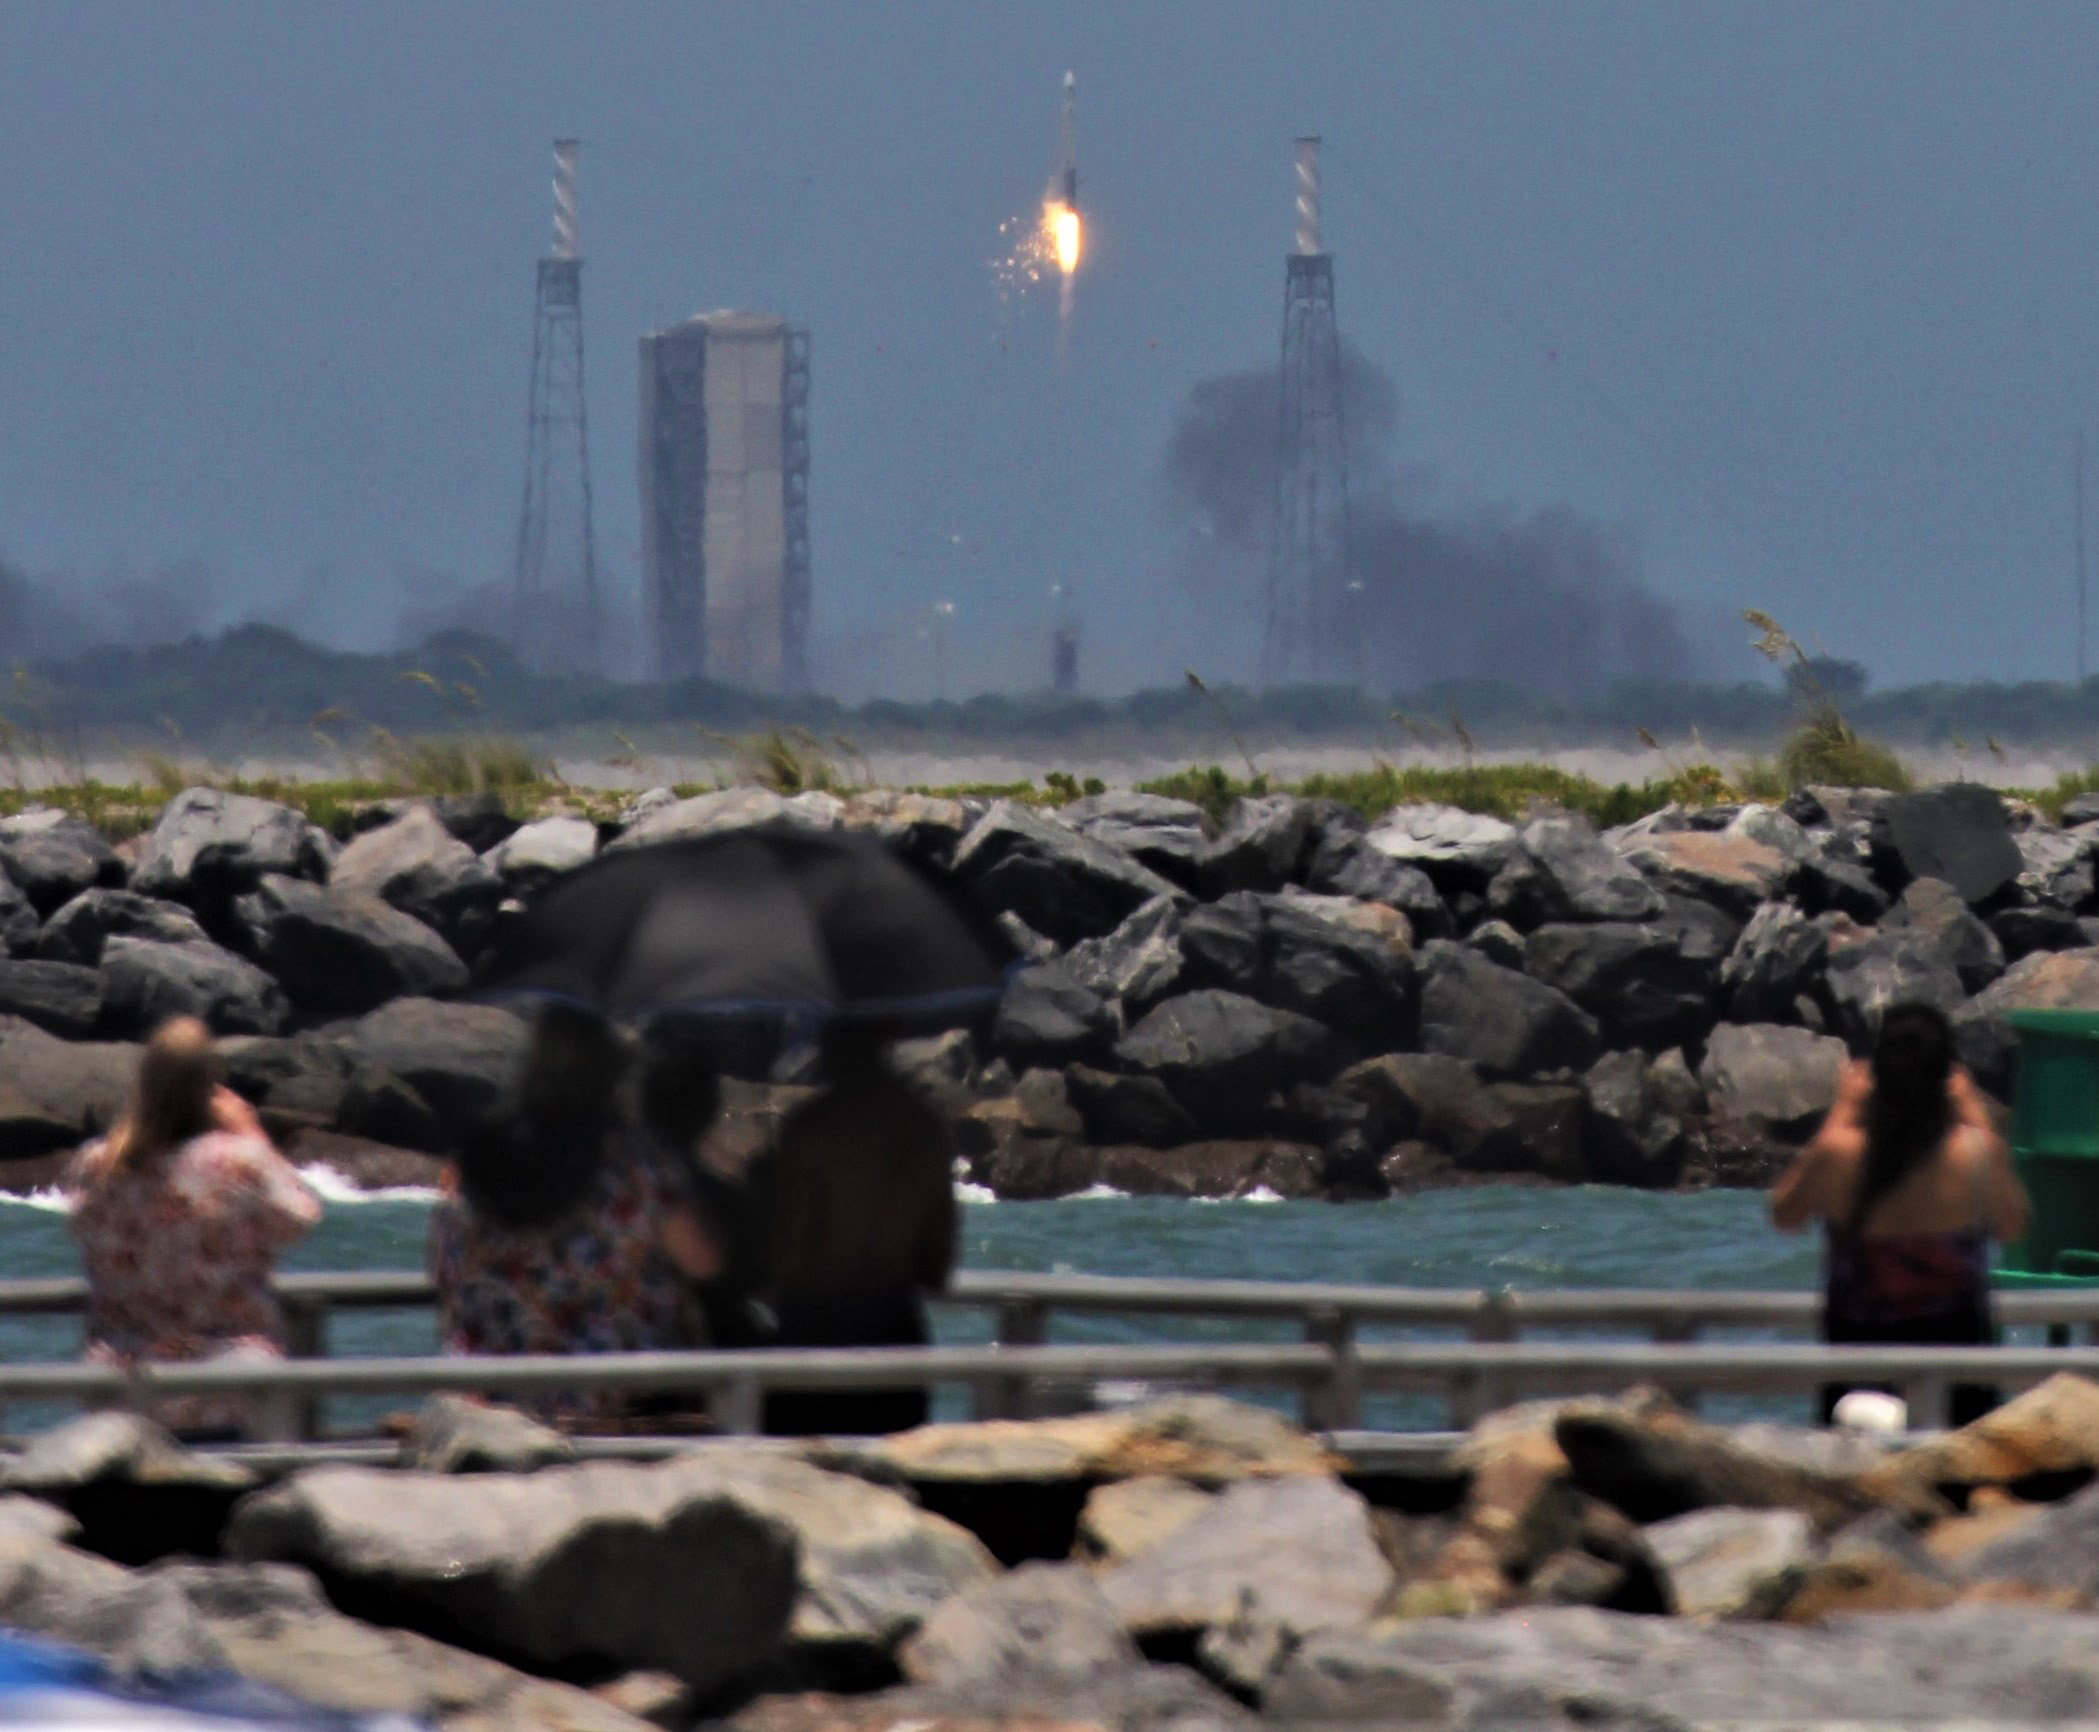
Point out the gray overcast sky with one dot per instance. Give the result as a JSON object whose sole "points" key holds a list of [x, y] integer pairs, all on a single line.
{"points": [[1799, 295]]}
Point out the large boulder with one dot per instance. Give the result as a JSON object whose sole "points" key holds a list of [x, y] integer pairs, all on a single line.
{"points": [[1728, 869], [1562, 870], [1344, 862], [145, 981], [1959, 834], [1932, 915], [1455, 848], [1221, 1054], [1503, 1022], [1163, 835], [1295, 1555], [537, 853], [1896, 965], [2050, 1431], [925, 826], [18, 924], [344, 950], [1776, 962], [417, 865], [77, 931], [1784, 1079], [609, 1559], [2056, 867], [1338, 962], [2049, 980], [729, 809], [457, 1057], [1731, 1563], [54, 856], [2057, 1546], [1061, 883], [209, 845], [1635, 980], [1658, 1463], [135, 1492], [1261, 846], [1634, 1138], [1234, 1167], [54, 1093], [1225, 943], [1128, 1109], [63, 997], [1137, 964], [1046, 1016]]}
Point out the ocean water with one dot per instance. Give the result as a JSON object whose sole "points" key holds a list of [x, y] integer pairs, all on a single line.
{"points": [[1510, 1236]]}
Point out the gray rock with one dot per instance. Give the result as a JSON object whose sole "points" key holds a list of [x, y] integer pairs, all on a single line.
{"points": [[1344, 862], [1894, 966], [1503, 1022], [2056, 1547], [1042, 1627], [1778, 958], [2082, 809], [1634, 980], [1498, 942], [1676, 1086], [1221, 1054], [1139, 963], [1835, 880], [925, 826], [1028, 944], [1958, 834], [77, 931], [1128, 1109], [1298, 1555], [144, 982], [60, 996], [53, 856], [142, 1629], [1774, 829], [2052, 980], [452, 1434], [1060, 882], [1327, 960], [1635, 1138], [1730, 870], [1531, 1127], [729, 809], [417, 865], [2028, 928], [1731, 1563], [457, 1057], [18, 924], [1261, 847], [56, 1093], [208, 843], [23, 1517], [1046, 1017], [343, 950], [1575, 1666], [1934, 916], [1225, 943], [1782, 1078], [296, 1079], [1126, 1517], [2056, 868], [1561, 870], [135, 1492], [1452, 846], [537, 853], [1658, 1464], [1163, 835]]}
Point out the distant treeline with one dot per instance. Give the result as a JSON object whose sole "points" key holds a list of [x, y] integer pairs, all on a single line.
{"points": [[257, 680]]}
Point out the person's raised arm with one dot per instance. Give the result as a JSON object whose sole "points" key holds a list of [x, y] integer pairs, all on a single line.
{"points": [[689, 1245], [1802, 1191]]}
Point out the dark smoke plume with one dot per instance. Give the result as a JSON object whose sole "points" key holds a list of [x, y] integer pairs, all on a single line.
{"points": [[49, 616], [1547, 599]]}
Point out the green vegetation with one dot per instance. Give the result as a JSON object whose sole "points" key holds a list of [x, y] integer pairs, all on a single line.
{"points": [[1507, 791], [1823, 747]]}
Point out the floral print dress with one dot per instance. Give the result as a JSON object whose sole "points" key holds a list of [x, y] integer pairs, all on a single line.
{"points": [[595, 1281], [179, 1250]]}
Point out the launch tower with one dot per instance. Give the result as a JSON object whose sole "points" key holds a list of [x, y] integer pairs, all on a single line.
{"points": [[1311, 632], [555, 623]]}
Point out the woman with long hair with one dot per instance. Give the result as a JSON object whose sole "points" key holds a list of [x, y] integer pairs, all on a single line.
{"points": [[1912, 1183], [566, 1233], [181, 1212]]}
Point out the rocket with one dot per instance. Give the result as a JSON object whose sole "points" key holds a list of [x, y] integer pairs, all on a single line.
{"points": [[1065, 184]]}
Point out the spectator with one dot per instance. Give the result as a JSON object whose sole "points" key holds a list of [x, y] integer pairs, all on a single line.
{"points": [[1911, 1182], [181, 1212], [862, 1208], [565, 1232]]}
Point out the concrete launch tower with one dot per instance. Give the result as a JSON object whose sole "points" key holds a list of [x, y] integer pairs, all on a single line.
{"points": [[725, 500], [1311, 631], [555, 623]]}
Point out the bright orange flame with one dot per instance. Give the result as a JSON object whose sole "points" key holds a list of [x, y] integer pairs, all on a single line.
{"points": [[1065, 237]]}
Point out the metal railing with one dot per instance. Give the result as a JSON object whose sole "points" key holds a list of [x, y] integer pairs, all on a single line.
{"points": [[1494, 1357]]}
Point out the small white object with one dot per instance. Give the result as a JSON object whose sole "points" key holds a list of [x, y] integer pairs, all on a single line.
{"points": [[1873, 1411]]}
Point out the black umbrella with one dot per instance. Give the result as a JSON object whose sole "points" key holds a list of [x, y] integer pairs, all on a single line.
{"points": [[769, 923]]}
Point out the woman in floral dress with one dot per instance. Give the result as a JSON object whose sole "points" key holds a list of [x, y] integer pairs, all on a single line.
{"points": [[181, 1213], [565, 1232]]}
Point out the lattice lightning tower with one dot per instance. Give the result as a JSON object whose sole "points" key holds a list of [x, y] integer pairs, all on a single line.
{"points": [[1312, 613], [556, 621]]}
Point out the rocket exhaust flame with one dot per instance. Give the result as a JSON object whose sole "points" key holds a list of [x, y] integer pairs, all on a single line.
{"points": [[1055, 241], [1065, 236]]}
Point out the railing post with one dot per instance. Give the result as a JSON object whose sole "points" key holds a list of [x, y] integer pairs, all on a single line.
{"points": [[1674, 1329], [739, 1407], [1019, 1323], [305, 1337], [1336, 1404]]}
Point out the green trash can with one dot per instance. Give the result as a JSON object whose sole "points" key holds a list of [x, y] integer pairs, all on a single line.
{"points": [[2055, 1142]]}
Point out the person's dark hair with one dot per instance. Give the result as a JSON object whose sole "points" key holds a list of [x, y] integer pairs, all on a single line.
{"points": [[1909, 1113], [536, 1159], [680, 1094], [852, 1052]]}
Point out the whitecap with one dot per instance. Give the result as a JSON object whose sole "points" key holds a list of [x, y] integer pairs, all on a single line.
{"points": [[967, 1192], [333, 1185], [46, 1197]]}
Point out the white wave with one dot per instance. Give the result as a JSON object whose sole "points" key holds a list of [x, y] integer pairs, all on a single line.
{"points": [[1259, 1194], [968, 1192], [47, 1197], [333, 1185], [1097, 1194]]}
